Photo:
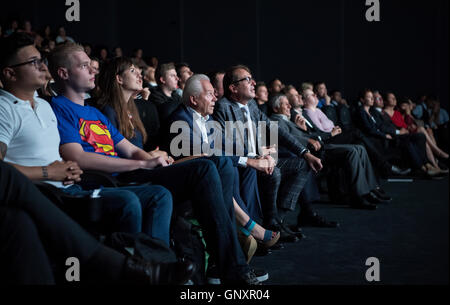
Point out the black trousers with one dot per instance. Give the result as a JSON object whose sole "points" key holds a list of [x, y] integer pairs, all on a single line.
{"points": [[33, 232]]}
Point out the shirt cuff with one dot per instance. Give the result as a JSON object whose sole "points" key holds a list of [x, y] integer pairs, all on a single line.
{"points": [[397, 132], [243, 161]]}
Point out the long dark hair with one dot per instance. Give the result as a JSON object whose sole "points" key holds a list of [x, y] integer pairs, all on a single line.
{"points": [[111, 94]]}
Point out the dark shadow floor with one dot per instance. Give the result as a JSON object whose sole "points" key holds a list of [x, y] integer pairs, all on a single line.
{"points": [[409, 236]]}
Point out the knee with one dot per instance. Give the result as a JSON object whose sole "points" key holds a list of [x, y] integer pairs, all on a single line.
{"points": [[129, 203], [164, 199]]}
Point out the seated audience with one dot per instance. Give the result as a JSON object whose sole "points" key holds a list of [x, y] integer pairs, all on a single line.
{"points": [[195, 180], [23, 116], [353, 158]]}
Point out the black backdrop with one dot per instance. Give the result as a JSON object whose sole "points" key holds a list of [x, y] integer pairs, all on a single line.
{"points": [[329, 40]]}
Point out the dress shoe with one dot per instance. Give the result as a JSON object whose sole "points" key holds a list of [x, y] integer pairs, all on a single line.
{"points": [[297, 231], [139, 271], [288, 238], [381, 194], [314, 220], [374, 199], [360, 204]]}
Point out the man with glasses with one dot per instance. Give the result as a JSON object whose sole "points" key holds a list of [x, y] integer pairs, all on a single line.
{"points": [[280, 187]]}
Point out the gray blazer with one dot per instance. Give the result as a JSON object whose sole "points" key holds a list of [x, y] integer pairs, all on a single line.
{"points": [[226, 110]]}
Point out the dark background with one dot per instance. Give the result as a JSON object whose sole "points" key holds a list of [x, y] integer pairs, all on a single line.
{"points": [[328, 40]]}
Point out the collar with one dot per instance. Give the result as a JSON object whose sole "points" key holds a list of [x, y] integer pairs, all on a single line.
{"points": [[12, 99], [198, 116], [282, 116], [379, 109]]}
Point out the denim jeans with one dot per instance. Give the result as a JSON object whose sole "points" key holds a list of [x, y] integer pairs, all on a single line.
{"points": [[209, 185], [134, 209]]}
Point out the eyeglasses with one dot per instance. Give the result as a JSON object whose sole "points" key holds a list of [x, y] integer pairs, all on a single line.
{"points": [[248, 79], [36, 62]]}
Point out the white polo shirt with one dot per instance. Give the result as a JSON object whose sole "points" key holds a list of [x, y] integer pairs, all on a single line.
{"points": [[31, 134]]}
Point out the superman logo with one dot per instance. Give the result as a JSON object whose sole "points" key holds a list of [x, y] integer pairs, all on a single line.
{"points": [[98, 136]]}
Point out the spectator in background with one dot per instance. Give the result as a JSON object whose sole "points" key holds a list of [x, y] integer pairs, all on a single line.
{"points": [[262, 97], [184, 73], [47, 33], [153, 61], [88, 49], [62, 37], [13, 28], [48, 45], [27, 28], [216, 78], [275, 86], [149, 78], [118, 52], [164, 96], [103, 55], [137, 59], [409, 123], [305, 86], [320, 89]]}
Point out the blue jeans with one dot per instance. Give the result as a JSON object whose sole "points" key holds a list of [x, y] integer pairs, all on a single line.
{"points": [[211, 194], [134, 209]]}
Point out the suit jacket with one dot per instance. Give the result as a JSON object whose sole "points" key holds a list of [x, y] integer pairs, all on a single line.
{"points": [[385, 125], [300, 136], [369, 126], [182, 113], [227, 110]]}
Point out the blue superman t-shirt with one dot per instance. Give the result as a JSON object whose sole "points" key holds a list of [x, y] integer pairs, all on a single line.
{"points": [[85, 125]]}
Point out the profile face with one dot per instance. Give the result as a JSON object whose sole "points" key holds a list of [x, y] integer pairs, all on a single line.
{"points": [[185, 74], [285, 107], [391, 100], [206, 101], [262, 94], [245, 88], [322, 90], [81, 75], [378, 100], [131, 79], [368, 99], [295, 99], [310, 98], [31, 75], [170, 79]]}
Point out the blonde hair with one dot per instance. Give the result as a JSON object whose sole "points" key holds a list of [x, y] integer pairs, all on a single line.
{"points": [[60, 57]]}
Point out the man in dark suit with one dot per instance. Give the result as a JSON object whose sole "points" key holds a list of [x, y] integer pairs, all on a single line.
{"points": [[281, 185], [353, 158]]}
